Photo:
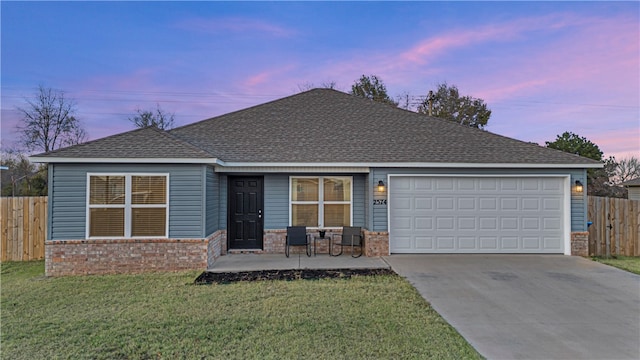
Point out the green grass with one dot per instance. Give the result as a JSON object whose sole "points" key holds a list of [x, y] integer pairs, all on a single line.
{"points": [[628, 263], [164, 316]]}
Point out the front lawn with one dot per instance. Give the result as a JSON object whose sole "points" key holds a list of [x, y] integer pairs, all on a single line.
{"points": [[165, 316], [628, 263]]}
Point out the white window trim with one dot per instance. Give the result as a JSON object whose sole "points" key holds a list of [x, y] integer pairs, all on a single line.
{"points": [[320, 203], [128, 206]]}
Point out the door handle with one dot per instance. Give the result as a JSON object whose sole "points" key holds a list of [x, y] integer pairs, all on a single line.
{"points": [[260, 214]]}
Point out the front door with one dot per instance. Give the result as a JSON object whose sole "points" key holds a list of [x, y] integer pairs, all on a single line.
{"points": [[245, 212]]}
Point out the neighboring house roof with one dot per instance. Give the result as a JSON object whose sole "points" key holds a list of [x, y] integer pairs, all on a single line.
{"points": [[632, 182], [324, 126]]}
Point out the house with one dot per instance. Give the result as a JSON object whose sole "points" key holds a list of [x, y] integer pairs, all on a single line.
{"points": [[633, 186], [167, 200]]}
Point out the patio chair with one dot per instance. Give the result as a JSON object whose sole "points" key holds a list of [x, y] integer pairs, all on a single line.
{"points": [[350, 237], [297, 236]]}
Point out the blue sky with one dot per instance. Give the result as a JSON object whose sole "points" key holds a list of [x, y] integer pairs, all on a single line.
{"points": [[542, 67]]}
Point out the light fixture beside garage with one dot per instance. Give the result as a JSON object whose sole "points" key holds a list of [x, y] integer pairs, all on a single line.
{"points": [[380, 186], [579, 187]]}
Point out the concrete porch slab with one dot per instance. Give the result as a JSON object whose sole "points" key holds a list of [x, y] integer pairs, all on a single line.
{"points": [[257, 262]]}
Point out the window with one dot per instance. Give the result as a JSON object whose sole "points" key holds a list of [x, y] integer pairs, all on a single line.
{"points": [[321, 202], [127, 205]]}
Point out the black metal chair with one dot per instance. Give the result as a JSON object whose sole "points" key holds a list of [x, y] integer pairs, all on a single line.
{"points": [[351, 236], [297, 236]]}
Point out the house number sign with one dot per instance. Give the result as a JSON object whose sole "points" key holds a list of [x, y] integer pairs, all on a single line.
{"points": [[380, 202]]}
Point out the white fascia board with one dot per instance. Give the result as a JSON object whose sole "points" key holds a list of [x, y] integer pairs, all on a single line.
{"points": [[215, 161], [212, 161], [415, 165]]}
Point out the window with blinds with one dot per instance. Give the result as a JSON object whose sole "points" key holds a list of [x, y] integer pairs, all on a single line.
{"points": [[127, 205], [320, 201]]}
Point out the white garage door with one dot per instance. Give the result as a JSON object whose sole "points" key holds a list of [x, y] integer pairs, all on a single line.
{"points": [[476, 214]]}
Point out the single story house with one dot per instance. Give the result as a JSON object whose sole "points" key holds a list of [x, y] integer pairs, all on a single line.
{"points": [[179, 199], [633, 186]]}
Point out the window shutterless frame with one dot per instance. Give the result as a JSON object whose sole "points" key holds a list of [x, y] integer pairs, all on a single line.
{"points": [[320, 203], [128, 206]]}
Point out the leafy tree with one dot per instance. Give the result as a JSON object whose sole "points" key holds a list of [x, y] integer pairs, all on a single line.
{"points": [[48, 121], [575, 144], [22, 178], [158, 118], [372, 88], [448, 104], [598, 180]]}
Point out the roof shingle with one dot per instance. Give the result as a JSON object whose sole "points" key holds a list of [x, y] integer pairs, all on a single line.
{"points": [[326, 126]]}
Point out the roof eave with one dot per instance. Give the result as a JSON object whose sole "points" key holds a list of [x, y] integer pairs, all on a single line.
{"points": [[414, 165], [53, 159], [218, 162]]}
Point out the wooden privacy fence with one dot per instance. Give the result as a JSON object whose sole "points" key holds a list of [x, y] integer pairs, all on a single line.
{"points": [[24, 228], [616, 226]]}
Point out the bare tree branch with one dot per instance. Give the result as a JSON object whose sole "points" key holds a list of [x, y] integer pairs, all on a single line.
{"points": [[48, 122]]}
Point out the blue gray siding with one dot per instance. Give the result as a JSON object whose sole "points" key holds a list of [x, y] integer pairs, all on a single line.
{"points": [[212, 196], [578, 200], [359, 200], [276, 201], [222, 206], [67, 196]]}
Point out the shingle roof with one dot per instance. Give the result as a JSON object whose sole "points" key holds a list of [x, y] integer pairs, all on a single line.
{"points": [[149, 142], [632, 182], [327, 126]]}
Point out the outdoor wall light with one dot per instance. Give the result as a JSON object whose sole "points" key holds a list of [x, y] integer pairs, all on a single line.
{"points": [[380, 186], [579, 187]]}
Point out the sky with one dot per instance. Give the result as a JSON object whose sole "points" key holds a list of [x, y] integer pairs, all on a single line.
{"points": [[543, 68]]}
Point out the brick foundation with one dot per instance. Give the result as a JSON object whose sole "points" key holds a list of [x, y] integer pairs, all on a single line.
{"points": [[580, 244], [275, 241], [114, 256], [376, 243]]}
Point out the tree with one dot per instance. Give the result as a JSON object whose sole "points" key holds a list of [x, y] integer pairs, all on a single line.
{"points": [[21, 178], [627, 169], [158, 118], [372, 88], [575, 144], [306, 86], [598, 180], [449, 105], [48, 122]]}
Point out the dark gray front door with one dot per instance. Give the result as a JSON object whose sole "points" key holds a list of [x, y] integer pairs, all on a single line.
{"points": [[245, 212]]}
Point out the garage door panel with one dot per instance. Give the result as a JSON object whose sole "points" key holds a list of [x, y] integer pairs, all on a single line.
{"points": [[510, 203], [530, 204], [444, 203], [487, 184], [509, 185], [509, 242], [488, 242], [445, 223], [484, 215], [467, 242], [466, 203], [467, 223], [488, 204], [445, 184], [423, 203], [466, 185], [424, 242], [445, 242]]}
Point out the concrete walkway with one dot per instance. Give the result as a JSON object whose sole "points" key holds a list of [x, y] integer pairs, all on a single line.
{"points": [[256, 262], [531, 306]]}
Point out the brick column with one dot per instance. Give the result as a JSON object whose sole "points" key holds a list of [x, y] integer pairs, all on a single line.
{"points": [[580, 244]]}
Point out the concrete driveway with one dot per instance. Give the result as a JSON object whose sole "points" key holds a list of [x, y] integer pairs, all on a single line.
{"points": [[531, 306]]}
